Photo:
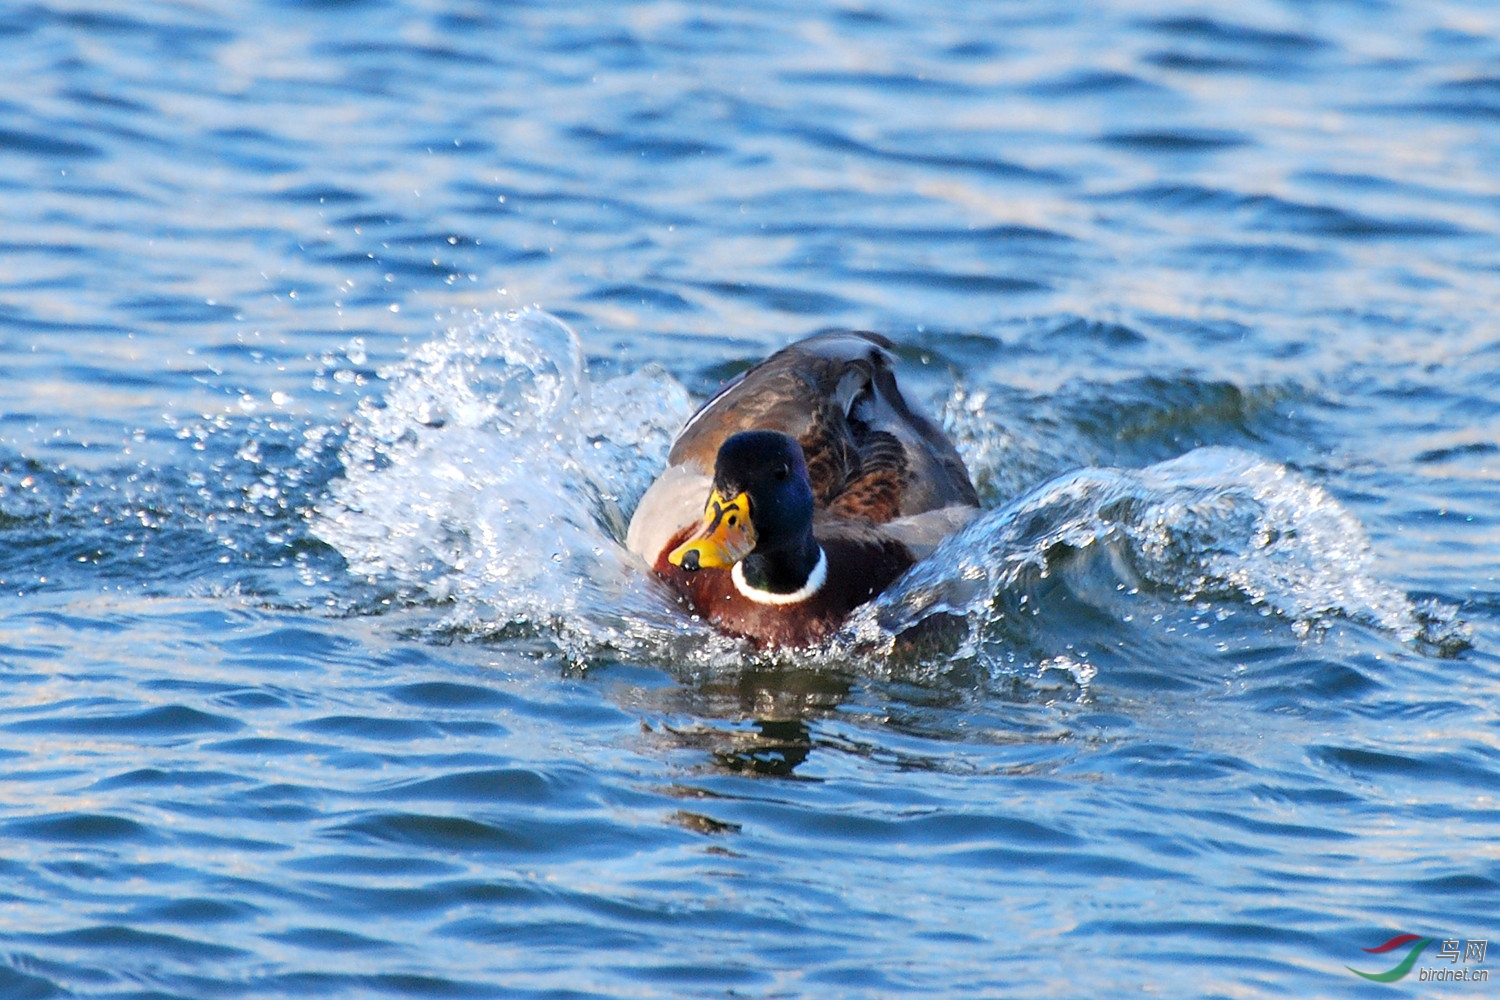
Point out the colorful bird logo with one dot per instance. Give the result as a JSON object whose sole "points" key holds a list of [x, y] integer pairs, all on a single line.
{"points": [[1417, 943]]}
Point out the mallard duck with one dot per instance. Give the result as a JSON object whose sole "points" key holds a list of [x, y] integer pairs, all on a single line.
{"points": [[801, 490]]}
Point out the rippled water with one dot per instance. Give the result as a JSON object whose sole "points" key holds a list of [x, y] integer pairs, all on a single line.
{"points": [[339, 340]]}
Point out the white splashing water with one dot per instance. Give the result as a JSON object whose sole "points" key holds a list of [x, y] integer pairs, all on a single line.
{"points": [[494, 475]]}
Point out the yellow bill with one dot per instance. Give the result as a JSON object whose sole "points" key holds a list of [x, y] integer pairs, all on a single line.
{"points": [[725, 537]]}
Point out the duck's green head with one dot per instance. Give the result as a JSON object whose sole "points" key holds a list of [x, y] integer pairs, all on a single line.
{"points": [[761, 502]]}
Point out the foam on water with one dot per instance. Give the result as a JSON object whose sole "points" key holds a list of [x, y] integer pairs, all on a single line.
{"points": [[496, 479]]}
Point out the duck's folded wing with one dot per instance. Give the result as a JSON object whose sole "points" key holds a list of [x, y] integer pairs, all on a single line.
{"points": [[805, 390]]}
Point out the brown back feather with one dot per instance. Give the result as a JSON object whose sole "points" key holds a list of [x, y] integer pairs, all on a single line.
{"points": [[874, 491]]}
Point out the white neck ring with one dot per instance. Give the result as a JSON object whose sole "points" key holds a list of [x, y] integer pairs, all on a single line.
{"points": [[815, 581]]}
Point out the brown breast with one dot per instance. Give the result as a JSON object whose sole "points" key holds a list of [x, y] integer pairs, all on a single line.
{"points": [[860, 565]]}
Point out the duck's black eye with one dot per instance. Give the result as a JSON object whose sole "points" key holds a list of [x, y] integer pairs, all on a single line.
{"points": [[782, 473], [733, 520]]}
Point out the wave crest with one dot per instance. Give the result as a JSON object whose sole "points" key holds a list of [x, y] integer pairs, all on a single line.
{"points": [[1215, 524]]}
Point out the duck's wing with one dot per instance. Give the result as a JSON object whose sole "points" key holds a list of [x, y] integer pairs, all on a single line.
{"points": [[836, 393], [803, 390]]}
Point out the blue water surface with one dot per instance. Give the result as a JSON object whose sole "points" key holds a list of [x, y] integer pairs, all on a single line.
{"points": [[338, 340]]}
